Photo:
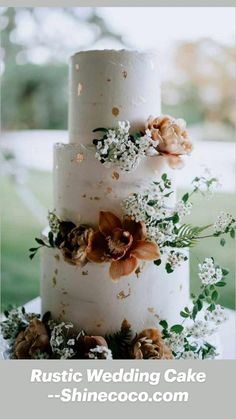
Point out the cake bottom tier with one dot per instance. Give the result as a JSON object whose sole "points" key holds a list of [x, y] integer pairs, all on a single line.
{"points": [[94, 303]]}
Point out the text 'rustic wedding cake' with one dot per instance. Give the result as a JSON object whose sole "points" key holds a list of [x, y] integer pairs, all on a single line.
{"points": [[114, 253]]}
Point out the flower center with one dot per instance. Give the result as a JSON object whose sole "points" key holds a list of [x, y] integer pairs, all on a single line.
{"points": [[119, 245]]}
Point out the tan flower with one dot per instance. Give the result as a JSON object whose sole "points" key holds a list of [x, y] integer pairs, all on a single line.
{"points": [[122, 243], [76, 245], [86, 343], [32, 340], [172, 137], [149, 345]]}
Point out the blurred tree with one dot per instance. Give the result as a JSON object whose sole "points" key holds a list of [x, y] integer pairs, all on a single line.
{"points": [[203, 82], [36, 44]]}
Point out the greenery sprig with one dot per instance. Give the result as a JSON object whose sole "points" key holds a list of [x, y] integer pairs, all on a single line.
{"points": [[206, 299]]}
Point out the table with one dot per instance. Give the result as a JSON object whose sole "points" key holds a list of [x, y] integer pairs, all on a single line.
{"points": [[227, 332]]}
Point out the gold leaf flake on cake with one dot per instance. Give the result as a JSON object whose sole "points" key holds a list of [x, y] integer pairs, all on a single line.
{"points": [[56, 271], [108, 80], [79, 89], [84, 195], [97, 198], [77, 67], [151, 310], [84, 273], [109, 189], [57, 257], [115, 175], [115, 111], [79, 158], [125, 74], [121, 295]]}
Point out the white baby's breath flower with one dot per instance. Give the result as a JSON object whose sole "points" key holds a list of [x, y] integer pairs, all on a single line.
{"points": [[175, 259], [223, 222], [54, 222], [217, 316], [119, 148], [209, 273], [176, 342], [189, 355], [183, 209], [151, 206], [100, 352], [200, 329], [206, 184]]}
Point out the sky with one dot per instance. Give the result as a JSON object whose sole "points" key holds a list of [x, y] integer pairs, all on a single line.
{"points": [[159, 27]]}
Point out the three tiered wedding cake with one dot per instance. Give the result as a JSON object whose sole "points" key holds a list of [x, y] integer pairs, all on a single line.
{"points": [[114, 260]]}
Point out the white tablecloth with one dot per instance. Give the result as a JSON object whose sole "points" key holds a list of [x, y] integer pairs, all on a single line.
{"points": [[227, 332]]}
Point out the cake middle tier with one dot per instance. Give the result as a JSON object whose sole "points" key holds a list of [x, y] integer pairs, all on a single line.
{"points": [[83, 186]]}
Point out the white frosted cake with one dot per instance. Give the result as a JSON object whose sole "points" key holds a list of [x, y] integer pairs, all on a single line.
{"points": [[106, 87]]}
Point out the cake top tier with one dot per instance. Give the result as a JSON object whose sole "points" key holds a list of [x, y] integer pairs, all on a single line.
{"points": [[109, 86]]}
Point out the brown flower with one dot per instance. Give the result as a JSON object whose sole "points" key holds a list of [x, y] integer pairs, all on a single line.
{"points": [[122, 243], [149, 345], [32, 340], [86, 343], [76, 245], [172, 138]]}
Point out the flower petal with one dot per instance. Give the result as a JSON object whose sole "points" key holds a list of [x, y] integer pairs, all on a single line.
{"points": [[138, 230], [98, 248], [123, 267], [175, 161], [108, 222], [145, 250]]}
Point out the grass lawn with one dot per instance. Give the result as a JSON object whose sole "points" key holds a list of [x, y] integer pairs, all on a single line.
{"points": [[20, 275]]}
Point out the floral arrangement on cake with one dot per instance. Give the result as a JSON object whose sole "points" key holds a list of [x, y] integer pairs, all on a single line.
{"points": [[30, 337], [163, 135], [150, 230]]}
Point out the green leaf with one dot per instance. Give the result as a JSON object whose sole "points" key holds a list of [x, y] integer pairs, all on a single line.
{"points": [[232, 233], [187, 235], [222, 242], [183, 314], [185, 197], [33, 249], [164, 177], [40, 241], [175, 218], [169, 269], [211, 307], [199, 304], [195, 311], [206, 291], [100, 129], [32, 255], [214, 295], [177, 328], [152, 202], [51, 239], [220, 284], [157, 262], [164, 324], [225, 271]]}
